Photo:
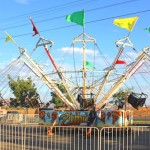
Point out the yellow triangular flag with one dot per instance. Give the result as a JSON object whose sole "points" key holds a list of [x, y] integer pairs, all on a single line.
{"points": [[127, 23], [9, 38]]}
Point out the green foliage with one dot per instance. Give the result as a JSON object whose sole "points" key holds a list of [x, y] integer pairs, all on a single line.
{"points": [[56, 100], [20, 87], [120, 96]]}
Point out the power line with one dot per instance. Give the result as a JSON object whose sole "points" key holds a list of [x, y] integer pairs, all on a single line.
{"points": [[93, 21], [54, 18], [134, 13], [47, 9], [112, 5]]}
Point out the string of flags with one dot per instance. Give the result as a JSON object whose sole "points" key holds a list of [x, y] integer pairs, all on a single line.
{"points": [[79, 18]]}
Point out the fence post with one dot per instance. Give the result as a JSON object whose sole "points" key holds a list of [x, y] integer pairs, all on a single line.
{"points": [[20, 126], [23, 129], [100, 140]]}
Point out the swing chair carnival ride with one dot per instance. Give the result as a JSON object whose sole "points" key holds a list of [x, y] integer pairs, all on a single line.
{"points": [[85, 84]]}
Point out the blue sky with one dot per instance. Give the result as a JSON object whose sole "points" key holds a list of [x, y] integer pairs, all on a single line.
{"points": [[15, 20], [49, 17]]}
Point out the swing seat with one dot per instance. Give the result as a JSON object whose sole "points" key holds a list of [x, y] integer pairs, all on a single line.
{"points": [[88, 102], [120, 105], [137, 100]]}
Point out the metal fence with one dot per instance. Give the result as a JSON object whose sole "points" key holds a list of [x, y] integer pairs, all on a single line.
{"points": [[40, 138], [20, 118], [125, 138], [35, 137]]}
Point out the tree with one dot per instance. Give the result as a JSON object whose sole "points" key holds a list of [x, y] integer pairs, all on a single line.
{"points": [[24, 91], [119, 98], [56, 100]]}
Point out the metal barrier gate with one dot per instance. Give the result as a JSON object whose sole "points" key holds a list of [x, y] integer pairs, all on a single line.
{"points": [[125, 138], [35, 137]]}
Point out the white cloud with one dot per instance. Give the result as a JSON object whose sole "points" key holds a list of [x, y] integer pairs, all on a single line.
{"points": [[78, 50], [23, 1], [4, 64], [132, 54]]}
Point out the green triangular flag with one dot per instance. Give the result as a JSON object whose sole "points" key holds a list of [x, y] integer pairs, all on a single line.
{"points": [[148, 29], [76, 17], [89, 64]]}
